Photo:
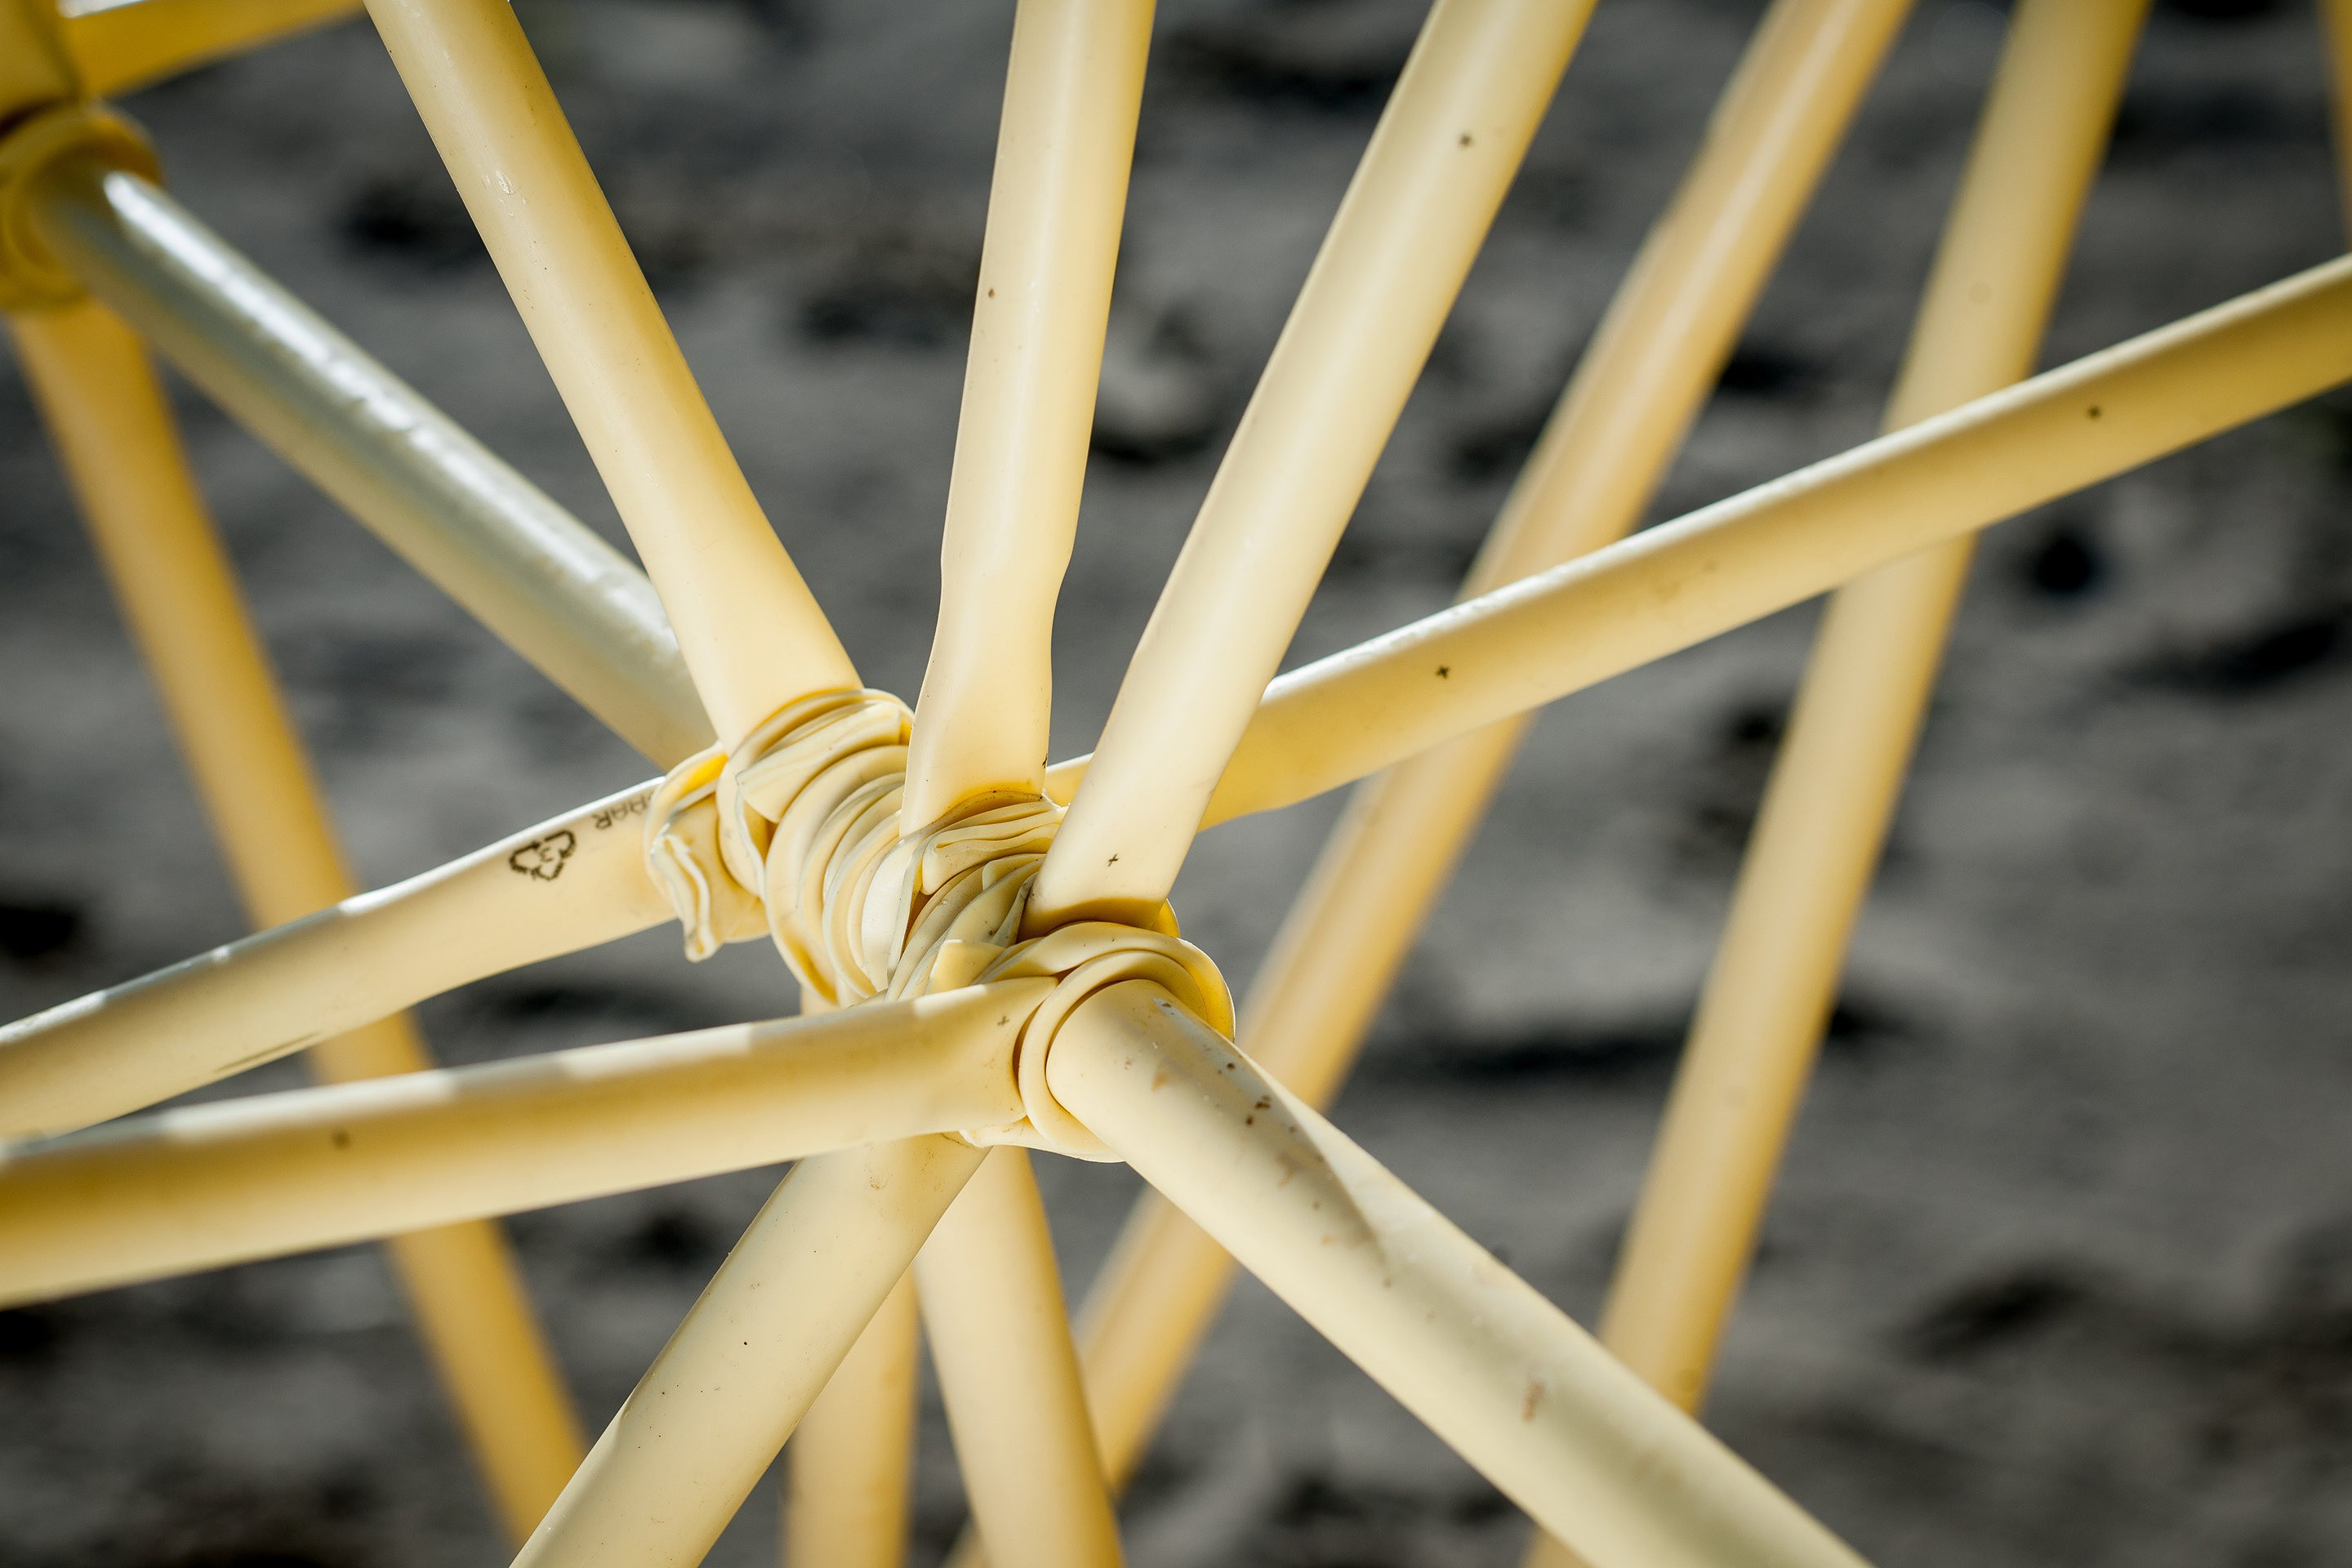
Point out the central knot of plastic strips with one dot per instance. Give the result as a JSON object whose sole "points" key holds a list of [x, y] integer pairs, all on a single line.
{"points": [[794, 831]]}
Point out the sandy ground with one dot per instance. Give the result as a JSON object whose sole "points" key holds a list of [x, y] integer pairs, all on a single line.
{"points": [[2061, 1271]]}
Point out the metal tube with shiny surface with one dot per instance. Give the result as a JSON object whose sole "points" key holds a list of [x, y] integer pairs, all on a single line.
{"points": [[530, 571]]}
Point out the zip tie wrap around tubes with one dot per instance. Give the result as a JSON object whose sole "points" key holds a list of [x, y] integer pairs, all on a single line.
{"points": [[794, 830], [30, 278]]}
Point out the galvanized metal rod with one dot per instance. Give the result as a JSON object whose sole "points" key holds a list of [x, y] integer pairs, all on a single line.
{"points": [[1653, 359], [270, 1175], [706, 1419], [1681, 582], [1497, 1371], [530, 571], [574, 882], [752, 635], [998, 1331], [1453, 135]]}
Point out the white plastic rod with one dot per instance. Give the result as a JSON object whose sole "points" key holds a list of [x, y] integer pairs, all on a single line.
{"points": [[236, 1179], [1000, 1337], [1743, 558], [1071, 97], [708, 1417], [752, 634], [1454, 131], [575, 883], [534, 575], [1497, 1371]]}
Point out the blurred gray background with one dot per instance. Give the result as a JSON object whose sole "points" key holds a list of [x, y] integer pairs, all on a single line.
{"points": [[2061, 1271]]}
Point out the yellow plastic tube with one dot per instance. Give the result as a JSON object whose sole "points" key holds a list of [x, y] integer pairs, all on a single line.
{"points": [[113, 430], [1858, 714], [1454, 131], [794, 1297], [849, 1468], [1681, 582], [990, 1293], [1835, 786], [1516, 647], [1497, 1371], [35, 68], [754, 637], [993, 1310], [128, 44], [2336, 18], [571, 883], [1071, 97], [269, 1174], [1655, 355], [547, 584], [1141, 1323]]}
